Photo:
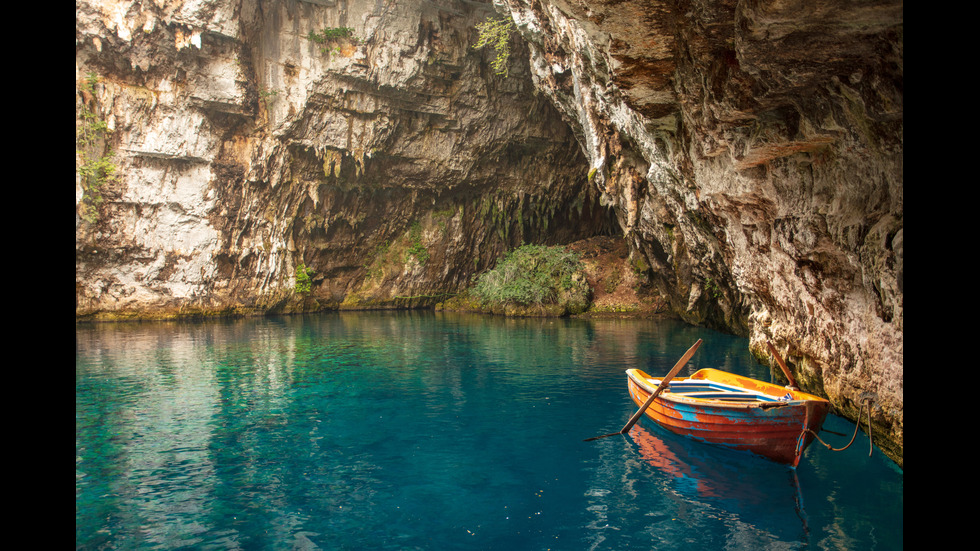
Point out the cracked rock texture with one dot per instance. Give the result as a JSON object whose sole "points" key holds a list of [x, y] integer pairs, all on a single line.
{"points": [[753, 153], [390, 162], [750, 153]]}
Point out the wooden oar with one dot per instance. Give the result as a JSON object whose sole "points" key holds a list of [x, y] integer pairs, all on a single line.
{"points": [[782, 364], [663, 384]]}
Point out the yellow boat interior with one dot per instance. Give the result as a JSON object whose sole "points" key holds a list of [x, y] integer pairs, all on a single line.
{"points": [[714, 384]]}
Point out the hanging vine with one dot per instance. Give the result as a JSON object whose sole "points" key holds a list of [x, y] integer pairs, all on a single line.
{"points": [[96, 168], [496, 34]]}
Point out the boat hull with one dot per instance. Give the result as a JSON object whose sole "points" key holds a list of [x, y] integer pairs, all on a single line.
{"points": [[779, 425]]}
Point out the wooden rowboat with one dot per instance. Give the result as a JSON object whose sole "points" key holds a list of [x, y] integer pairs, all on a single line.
{"points": [[738, 412]]}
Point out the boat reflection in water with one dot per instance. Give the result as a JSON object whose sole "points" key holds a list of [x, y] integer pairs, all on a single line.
{"points": [[743, 485]]}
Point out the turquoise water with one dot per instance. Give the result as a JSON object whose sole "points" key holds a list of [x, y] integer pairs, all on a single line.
{"points": [[422, 430]]}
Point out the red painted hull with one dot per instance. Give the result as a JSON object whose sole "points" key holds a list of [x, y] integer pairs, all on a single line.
{"points": [[773, 428]]}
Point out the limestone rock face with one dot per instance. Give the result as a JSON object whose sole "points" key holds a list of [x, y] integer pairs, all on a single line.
{"points": [[753, 152], [367, 142]]}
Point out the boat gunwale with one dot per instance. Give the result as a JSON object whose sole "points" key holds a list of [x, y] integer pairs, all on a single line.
{"points": [[762, 400]]}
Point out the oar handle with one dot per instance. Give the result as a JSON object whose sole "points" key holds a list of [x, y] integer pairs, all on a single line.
{"points": [[660, 388], [663, 384], [782, 364]]}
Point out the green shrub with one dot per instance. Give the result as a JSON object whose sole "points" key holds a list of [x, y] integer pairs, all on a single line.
{"points": [[304, 283], [550, 279]]}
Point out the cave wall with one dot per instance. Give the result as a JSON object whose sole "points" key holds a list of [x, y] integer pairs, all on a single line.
{"points": [[753, 153], [391, 162]]}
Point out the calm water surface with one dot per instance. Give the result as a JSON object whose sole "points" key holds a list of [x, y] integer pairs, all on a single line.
{"points": [[421, 430]]}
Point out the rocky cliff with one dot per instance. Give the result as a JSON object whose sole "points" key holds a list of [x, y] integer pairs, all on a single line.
{"points": [[749, 152], [366, 144], [753, 152]]}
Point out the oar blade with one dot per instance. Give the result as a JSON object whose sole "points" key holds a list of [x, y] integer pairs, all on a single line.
{"points": [[603, 436]]}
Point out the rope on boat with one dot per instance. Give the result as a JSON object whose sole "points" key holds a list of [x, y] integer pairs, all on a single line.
{"points": [[857, 426]]}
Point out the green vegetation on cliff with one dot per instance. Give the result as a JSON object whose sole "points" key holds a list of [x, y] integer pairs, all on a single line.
{"points": [[95, 165], [304, 281], [535, 279], [496, 34], [333, 39]]}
